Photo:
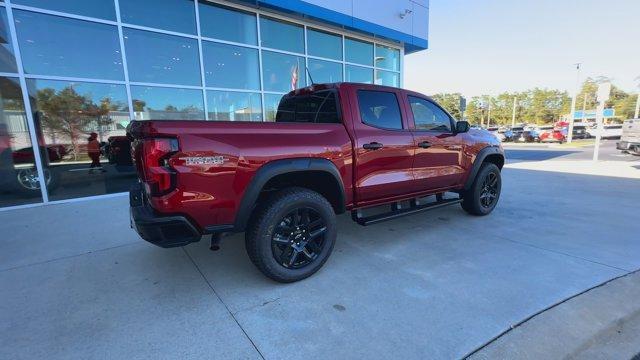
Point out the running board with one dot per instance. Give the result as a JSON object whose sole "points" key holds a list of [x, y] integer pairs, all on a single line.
{"points": [[356, 215]]}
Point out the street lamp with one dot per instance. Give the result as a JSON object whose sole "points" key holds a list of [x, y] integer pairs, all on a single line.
{"points": [[572, 116]]}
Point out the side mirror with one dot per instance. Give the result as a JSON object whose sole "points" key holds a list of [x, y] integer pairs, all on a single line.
{"points": [[462, 126]]}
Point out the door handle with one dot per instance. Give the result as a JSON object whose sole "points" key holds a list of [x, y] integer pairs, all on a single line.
{"points": [[372, 146], [424, 144]]}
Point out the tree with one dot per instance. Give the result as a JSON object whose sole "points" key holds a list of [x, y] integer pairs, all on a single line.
{"points": [[450, 102], [67, 113]]}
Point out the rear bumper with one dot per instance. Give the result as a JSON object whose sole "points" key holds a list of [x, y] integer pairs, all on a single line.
{"points": [[164, 231]]}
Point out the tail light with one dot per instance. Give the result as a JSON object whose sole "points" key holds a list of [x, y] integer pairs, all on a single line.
{"points": [[152, 161]]}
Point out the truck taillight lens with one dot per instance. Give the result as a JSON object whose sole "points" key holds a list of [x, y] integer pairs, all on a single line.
{"points": [[158, 176]]}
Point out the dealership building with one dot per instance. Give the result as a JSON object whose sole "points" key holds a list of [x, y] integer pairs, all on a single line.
{"points": [[70, 68]]}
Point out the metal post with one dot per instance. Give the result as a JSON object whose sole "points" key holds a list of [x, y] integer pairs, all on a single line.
{"points": [[599, 117], [513, 113], [573, 105]]}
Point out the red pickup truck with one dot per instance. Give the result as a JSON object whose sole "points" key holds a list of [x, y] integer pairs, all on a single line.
{"points": [[332, 148]]}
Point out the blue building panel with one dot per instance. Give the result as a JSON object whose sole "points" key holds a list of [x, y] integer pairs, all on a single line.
{"points": [[405, 21]]}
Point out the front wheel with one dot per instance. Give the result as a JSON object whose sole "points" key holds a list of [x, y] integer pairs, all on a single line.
{"points": [[292, 235], [484, 193]]}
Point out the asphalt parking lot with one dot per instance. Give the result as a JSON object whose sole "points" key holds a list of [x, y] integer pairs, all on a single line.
{"points": [[76, 282]]}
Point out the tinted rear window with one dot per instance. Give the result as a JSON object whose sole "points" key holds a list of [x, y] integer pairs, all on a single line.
{"points": [[379, 109], [320, 107]]}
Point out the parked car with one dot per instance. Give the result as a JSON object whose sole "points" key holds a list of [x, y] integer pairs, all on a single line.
{"points": [[580, 131], [613, 131], [513, 133], [283, 183], [55, 153], [558, 135], [630, 139], [529, 136], [119, 150], [495, 131]]}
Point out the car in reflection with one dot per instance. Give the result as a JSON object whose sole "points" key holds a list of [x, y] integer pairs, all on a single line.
{"points": [[496, 131], [55, 153], [580, 131], [513, 133], [558, 135], [118, 150], [613, 131], [529, 136]]}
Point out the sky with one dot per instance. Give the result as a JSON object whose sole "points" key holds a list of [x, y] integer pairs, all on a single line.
{"points": [[492, 46]]}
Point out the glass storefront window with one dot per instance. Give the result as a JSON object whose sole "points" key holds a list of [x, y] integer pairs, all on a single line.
{"points": [[219, 22], [161, 58], [359, 74], [81, 128], [19, 182], [387, 58], [281, 35], [358, 52], [234, 106], [173, 15], [156, 103], [282, 72], [324, 45], [387, 78], [102, 9], [7, 60], [229, 66], [325, 71], [53, 45], [271, 102]]}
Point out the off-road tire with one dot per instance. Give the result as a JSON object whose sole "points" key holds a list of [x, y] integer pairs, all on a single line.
{"points": [[472, 202], [267, 216]]}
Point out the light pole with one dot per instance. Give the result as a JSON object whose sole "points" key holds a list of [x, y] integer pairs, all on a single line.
{"points": [[637, 114], [573, 104], [513, 112]]}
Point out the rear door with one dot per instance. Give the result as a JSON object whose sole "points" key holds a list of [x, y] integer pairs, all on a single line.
{"points": [[438, 151], [383, 144]]}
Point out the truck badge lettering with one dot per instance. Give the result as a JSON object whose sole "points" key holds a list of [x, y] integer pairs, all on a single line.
{"points": [[203, 160]]}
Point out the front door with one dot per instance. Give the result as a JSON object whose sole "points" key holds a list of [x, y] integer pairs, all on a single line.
{"points": [[384, 146], [438, 151]]}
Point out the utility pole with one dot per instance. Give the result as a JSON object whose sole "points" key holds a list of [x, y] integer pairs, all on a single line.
{"points": [[573, 104], [637, 115], [513, 112], [489, 115], [584, 107]]}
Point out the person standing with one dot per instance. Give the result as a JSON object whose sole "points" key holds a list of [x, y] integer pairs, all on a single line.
{"points": [[93, 150]]}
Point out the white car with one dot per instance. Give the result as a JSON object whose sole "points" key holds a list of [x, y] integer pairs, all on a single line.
{"points": [[630, 140], [608, 131]]}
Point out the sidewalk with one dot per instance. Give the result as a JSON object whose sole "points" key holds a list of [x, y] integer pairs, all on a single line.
{"points": [[619, 169]]}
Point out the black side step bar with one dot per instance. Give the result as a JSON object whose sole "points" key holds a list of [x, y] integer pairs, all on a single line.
{"points": [[396, 212]]}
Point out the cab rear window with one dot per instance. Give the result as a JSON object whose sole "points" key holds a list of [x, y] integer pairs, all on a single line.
{"points": [[320, 107]]}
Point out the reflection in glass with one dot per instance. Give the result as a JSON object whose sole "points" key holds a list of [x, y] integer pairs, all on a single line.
{"points": [[229, 66], [7, 58], [173, 15], [156, 103], [358, 52], [387, 78], [234, 106], [387, 58], [281, 72], [103, 9], [53, 45], [161, 58], [281, 35], [19, 182], [219, 22], [323, 44], [359, 74], [325, 71], [271, 102], [76, 123]]}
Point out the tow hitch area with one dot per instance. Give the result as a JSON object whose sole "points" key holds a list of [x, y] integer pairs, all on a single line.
{"points": [[402, 208]]}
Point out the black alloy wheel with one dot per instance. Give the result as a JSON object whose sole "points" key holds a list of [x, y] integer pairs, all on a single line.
{"points": [[490, 190], [298, 239]]}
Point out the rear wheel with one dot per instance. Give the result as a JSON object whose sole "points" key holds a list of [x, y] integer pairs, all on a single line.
{"points": [[292, 235], [484, 193]]}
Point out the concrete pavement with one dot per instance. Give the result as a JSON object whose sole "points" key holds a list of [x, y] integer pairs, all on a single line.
{"points": [[77, 282]]}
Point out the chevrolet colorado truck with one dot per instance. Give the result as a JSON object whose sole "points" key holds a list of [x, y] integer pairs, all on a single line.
{"points": [[332, 148]]}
